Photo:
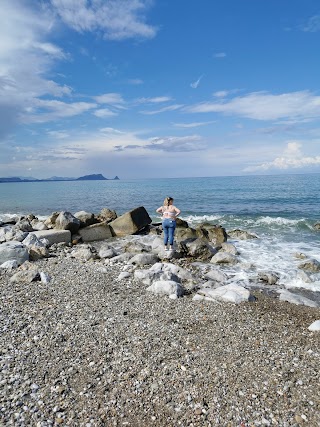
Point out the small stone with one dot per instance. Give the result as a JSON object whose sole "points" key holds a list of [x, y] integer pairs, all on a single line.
{"points": [[298, 419], [198, 411]]}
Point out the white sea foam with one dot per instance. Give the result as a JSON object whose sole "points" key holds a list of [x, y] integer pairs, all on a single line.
{"points": [[268, 220], [196, 219]]}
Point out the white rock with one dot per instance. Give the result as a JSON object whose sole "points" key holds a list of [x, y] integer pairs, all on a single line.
{"points": [[33, 240], [224, 258], [13, 250], [45, 278], [296, 299], [107, 252], [229, 293], [10, 265], [315, 326], [124, 275], [144, 259], [217, 275], [166, 287]]}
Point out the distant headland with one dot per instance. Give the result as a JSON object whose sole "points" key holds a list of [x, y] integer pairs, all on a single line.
{"points": [[93, 177]]}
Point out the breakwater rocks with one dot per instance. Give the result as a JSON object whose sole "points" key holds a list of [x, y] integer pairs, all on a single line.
{"points": [[117, 331]]}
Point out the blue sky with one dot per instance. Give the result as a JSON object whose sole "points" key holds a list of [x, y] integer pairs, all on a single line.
{"points": [[159, 88]]}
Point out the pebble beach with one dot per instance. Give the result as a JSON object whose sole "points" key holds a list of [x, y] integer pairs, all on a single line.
{"points": [[88, 349]]}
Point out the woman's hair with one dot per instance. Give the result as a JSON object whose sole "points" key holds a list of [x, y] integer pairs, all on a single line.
{"points": [[167, 200]]}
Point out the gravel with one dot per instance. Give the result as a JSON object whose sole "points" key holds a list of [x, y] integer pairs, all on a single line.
{"points": [[86, 349]]}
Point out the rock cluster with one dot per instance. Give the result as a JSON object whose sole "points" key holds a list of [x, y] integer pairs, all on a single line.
{"points": [[107, 328]]}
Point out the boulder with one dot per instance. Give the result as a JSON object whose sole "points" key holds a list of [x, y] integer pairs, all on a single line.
{"points": [[296, 299], [10, 265], [241, 234], [54, 236], [107, 251], [224, 258], [38, 252], [131, 222], [166, 287], [311, 265], [229, 248], [51, 220], [182, 233], [181, 223], [85, 218], [33, 240], [229, 293], [144, 259], [24, 225], [66, 221], [216, 275], [200, 248], [316, 226], [122, 258], [137, 247], [268, 277], [214, 233], [25, 276], [84, 253], [38, 225], [96, 232], [107, 215], [13, 250], [302, 275]]}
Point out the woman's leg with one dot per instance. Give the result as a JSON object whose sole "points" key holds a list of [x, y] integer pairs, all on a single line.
{"points": [[165, 232], [172, 227]]}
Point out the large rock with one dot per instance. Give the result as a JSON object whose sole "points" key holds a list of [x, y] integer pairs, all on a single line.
{"points": [[241, 234], [214, 233], [200, 248], [310, 265], [131, 222], [25, 276], [268, 277], [38, 225], [106, 252], [216, 275], [13, 250], [107, 215], [84, 252], [183, 233], [166, 287], [96, 232], [229, 248], [51, 220], [24, 225], [224, 258], [229, 293], [85, 218], [144, 259], [296, 299], [66, 221], [315, 326], [54, 236]]}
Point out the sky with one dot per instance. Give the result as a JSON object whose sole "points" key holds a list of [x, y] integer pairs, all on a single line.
{"points": [[159, 88]]}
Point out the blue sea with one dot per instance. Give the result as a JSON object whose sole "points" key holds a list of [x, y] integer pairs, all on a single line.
{"points": [[280, 209]]}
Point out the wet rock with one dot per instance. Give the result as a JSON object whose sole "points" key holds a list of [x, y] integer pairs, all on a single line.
{"points": [[311, 265], [200, 248], [241, 234], [296, 299], [316, 226], [268, 278], [214, 233], [229, 248], [224, 258]]}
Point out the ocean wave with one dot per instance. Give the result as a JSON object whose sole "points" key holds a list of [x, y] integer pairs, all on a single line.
{"points": [[280, 221], [196, 219]]}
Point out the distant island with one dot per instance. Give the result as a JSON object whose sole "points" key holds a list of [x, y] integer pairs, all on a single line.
{"points": [[93, 177]]}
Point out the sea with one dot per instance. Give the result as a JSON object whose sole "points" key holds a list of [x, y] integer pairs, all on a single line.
{"points": [[281, 210]]}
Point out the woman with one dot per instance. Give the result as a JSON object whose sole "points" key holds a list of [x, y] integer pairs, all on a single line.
{"points": [[169, 215]]}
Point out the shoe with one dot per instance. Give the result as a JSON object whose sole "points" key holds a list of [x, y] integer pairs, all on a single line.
{"points": [[166, 249]]}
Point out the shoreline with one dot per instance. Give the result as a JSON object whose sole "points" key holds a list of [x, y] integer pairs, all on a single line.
{"points": [[89, 349]]}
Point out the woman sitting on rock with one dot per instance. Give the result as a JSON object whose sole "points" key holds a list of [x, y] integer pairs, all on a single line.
{"points": [[169, 215]]}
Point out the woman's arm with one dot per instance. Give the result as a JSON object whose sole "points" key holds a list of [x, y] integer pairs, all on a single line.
{"points": [[177, 211], [159, 210]]}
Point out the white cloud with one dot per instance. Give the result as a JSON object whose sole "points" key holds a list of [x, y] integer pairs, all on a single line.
{"points": [[192, 125], [58, 134], [109, 98], [164, 109], [265, 106], [104, 112], [292, 158], [154, 100], [116, 19], [313, 24], [135, 81], [195, 84], [172, 144], [220, 55]]}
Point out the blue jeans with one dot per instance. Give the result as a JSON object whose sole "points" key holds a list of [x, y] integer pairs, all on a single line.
{"points": [[168, 226]]}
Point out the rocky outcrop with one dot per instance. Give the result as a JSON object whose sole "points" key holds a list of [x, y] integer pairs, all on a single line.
{"points": [[241, 234], [85, 218], [107, 215]]}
